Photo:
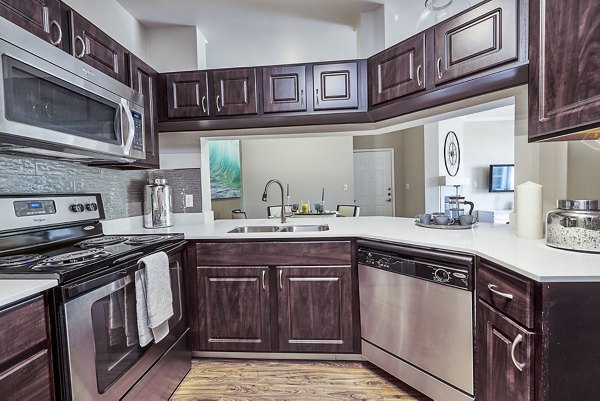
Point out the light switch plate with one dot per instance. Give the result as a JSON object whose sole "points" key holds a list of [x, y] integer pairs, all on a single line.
{"points": [[345, 187], [189, 200]]}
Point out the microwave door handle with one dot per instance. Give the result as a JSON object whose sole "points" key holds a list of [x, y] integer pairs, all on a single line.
{"points": [[128, 129]]}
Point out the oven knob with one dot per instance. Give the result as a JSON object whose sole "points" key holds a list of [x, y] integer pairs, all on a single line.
{"points": [[441, 275], [91, 207], [77, 208]]}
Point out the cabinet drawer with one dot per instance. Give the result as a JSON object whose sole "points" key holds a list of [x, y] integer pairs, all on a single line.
{"points": [[506, 292], [21, 328], [274, 253], [27, 381]]}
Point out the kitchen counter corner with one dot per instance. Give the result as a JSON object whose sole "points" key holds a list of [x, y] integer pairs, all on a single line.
{"points": [[16, 290]]}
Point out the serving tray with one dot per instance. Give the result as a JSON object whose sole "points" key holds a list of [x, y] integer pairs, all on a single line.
{"points": [[446, 227]]}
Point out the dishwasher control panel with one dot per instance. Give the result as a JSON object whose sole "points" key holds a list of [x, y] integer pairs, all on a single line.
{"points": [[430, 270]]}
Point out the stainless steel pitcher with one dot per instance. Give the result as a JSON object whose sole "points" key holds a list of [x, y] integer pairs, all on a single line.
{"points": [[158, 204]]}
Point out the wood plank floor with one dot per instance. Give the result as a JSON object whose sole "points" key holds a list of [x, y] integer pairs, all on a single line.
{"points": [[225, 379]]}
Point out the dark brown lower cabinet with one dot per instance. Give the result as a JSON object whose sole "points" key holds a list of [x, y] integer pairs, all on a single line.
{"points": [[25, 363], [315, 309], [505, 357], [234, 309]]}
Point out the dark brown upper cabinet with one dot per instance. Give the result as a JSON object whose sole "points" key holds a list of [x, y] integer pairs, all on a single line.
{"points": [[398, 71], [96, 48], [480, 38], [187, 95], [144, 79], [315, 309], [284, 89], [335, 86], [40, 17], [505, 358], [564, 73], [234, 91]]}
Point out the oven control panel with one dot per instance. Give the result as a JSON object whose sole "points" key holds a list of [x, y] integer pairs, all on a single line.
{"points": [[31, 211]]}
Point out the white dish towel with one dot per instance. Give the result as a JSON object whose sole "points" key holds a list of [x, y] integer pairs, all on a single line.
{"points": [[154, 300]]}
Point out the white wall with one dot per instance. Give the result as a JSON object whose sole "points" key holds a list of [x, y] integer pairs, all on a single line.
{"points": [[176, 49], [293, 40], [307, 164], [112, 18], [371, 32]]}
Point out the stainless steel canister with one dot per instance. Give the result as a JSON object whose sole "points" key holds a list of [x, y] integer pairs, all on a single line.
{"points": [[158, 204], [574, 225]]}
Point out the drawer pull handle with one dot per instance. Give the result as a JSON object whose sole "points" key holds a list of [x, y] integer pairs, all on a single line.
{"points": [[281, 279], [203, 103], [439, 67], [60, 34], [518, 339], [493, 289], [218, 100], [419, 82], [263, 280], [80, 40]]}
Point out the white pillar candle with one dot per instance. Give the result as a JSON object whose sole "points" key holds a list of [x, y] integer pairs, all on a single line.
{"points": [[530, 219]]}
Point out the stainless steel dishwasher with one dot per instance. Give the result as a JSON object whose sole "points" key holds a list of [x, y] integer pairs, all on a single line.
{"points": [[416, 308]]}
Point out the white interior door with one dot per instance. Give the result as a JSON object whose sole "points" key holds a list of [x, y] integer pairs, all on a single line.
{"points": [[373, 182]]}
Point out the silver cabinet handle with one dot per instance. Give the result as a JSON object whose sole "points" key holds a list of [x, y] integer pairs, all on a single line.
{"points": [[263, 280], [419, 82], [302, 97], [317, 96], [57, 26], [439, 67], [281, 279], [80, 39], [493, 289], [518, 339], [203, 104], [218, 108]]}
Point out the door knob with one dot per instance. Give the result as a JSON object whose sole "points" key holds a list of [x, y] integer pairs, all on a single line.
{"points": [[388, 200]]}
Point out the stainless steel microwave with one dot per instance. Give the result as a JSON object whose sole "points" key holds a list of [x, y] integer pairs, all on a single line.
{"points": [[54, 105]]}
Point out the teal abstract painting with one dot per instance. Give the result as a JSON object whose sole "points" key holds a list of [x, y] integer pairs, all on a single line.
{"points": [[225, 170]]}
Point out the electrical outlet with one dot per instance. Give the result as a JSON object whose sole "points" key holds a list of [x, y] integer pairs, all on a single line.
{"points": [[474, 184], [189, 200], [407, 186], [345, 187]]}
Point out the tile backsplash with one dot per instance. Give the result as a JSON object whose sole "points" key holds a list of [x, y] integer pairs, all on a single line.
{"points": [[122, 190]]}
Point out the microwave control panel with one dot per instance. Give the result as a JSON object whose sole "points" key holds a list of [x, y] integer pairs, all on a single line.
{"points": [[138, 137]]}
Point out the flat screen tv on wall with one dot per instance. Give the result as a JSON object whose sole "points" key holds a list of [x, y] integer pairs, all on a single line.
{"points": [[502, 178]]}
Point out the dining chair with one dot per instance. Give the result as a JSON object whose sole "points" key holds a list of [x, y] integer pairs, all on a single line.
{"points": [[348, 210], [238, 214], [275, 211]]}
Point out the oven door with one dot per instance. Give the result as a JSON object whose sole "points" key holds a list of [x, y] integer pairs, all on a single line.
{"points": [[49, 108], [104, 357]]}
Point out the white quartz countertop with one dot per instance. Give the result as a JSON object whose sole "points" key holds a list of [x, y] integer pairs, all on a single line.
{"points": [[531, 258], [15, 290]]}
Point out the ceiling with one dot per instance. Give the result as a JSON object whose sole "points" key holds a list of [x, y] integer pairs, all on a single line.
{"points": [[213, 17]]}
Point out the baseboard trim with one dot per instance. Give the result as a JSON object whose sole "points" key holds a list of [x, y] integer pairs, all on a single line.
{"points": [[278, 355]]}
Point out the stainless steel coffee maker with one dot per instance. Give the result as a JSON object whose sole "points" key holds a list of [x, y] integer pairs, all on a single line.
{"points": [[158, 204]]}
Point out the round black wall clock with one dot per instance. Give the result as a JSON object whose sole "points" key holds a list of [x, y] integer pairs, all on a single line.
{"points": [[451, 153]]}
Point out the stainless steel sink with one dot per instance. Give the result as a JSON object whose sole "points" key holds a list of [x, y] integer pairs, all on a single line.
{"points": [[281, 229], [304, 228]]}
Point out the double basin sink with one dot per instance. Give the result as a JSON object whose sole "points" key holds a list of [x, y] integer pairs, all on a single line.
{"points": [[281, 229]]}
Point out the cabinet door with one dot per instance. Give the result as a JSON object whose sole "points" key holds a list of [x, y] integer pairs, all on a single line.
{"points": [[564, 79], [335, 86], [501, 346], [284, 89], [315, 309], [97, 49], [40, 17], [234, 309], [144, 79], [398, 71], [235, 91], [481, 38], [187, 95]]}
